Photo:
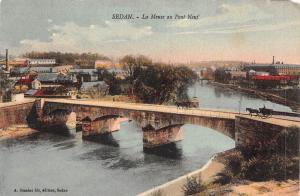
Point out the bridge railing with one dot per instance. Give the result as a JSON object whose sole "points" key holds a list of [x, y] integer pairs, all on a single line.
{"points": [[155, 108]]}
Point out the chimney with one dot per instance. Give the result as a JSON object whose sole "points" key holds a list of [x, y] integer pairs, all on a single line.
{"points": [[273, 60], [6, 59]]}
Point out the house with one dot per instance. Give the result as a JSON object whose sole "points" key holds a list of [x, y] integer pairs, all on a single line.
{"points": [[68, 81], [23, 83], [36, 84]]}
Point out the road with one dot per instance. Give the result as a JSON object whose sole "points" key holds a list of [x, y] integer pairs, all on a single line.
{"points": [[204, 112]]}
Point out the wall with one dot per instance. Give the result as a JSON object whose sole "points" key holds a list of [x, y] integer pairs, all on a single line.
{"points": [[156, 120], [16, 114], [250, 132]]}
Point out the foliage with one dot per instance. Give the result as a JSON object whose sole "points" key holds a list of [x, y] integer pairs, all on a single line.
{"points": [[113, 82], [221, 75], [193, 186], [84, 59], [157, 82], [6, 86], [277, 159], [232, 168]]}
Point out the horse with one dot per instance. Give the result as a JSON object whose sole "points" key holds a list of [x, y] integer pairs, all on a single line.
{"points": [[252, 111], [265, 112]]}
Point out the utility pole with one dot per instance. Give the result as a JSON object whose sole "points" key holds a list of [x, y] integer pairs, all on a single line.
{"points": [[6, 60]]}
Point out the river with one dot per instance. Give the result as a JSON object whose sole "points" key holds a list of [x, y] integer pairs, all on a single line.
{"points": [[117, 166]]}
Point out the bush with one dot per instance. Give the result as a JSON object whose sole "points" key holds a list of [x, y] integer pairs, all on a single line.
{"points": [[224, 177], [193, 186]]}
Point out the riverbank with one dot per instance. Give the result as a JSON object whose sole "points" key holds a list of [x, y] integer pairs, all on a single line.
{"points": [[295, 106], [16, 131], [207, 174]]}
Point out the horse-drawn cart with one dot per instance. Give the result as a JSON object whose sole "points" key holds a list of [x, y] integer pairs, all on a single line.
{"points": [[261, 112], [190, 103]]}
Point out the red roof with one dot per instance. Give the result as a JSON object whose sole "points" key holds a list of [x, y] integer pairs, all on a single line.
{"points": [[25, 81], [39, 93], [276, 78]]}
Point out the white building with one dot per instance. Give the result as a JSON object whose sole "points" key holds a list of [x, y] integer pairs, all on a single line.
{"points": [[35, 84], [42, 61]]}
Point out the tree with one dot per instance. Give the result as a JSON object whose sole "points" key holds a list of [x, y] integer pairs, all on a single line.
{"points": [[6, 86], [132, 66], [221, 75], [158, 83]]}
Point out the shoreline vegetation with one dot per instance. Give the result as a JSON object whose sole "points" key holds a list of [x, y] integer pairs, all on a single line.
{"points": [[267, 169], [295, 106], [204, 182]]}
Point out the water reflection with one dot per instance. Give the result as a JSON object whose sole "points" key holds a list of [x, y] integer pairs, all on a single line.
{"points": [[171, 150], [106, 139], [65, 145], [60, 130], [103, 153], [210, 96]]}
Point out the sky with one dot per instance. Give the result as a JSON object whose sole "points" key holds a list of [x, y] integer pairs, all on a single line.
{"points": [[253, 30]]}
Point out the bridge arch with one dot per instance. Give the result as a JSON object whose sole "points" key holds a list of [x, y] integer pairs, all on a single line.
{"points": [[105, 119]]}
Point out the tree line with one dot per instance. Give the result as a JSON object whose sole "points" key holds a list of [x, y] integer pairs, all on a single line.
{"points": [[151, 82], [84, 59]]}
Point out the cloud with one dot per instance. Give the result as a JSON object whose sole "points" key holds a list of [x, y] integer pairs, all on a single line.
{"points": [[74, 38], [295, 1], [233, 19], [226, 14], [242, 28]]}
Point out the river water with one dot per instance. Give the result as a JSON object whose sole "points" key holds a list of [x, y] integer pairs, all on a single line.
{"points": [[118, 165]]}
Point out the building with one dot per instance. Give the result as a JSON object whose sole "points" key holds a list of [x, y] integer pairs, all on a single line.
{"points": [[36, 84], [275, 69], [269, 81], [36, 62], [64, 69], [103, 64], [237, 75], [17, 62], [21, 71]]}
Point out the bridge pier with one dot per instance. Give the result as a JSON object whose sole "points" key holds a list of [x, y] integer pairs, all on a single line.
{"points": [[99, 126], [157, 137]]}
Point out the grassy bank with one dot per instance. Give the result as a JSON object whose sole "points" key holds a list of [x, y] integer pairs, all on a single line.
{"points": [[266, 169]]}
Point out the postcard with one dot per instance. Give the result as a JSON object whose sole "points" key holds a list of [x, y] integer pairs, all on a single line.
{"points": [[138, 97]]}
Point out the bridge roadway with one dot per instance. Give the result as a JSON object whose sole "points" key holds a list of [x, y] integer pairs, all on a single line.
{"points": [[203, 112]]}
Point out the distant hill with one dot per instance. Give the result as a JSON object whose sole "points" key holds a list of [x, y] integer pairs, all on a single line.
{"points": [[217, 64]]}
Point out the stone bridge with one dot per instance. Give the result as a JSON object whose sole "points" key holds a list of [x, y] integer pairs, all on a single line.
{"points": [[160, 124]]}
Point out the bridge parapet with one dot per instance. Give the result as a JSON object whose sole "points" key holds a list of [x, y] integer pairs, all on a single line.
{"points": [[164, 125], [161, 124]]}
